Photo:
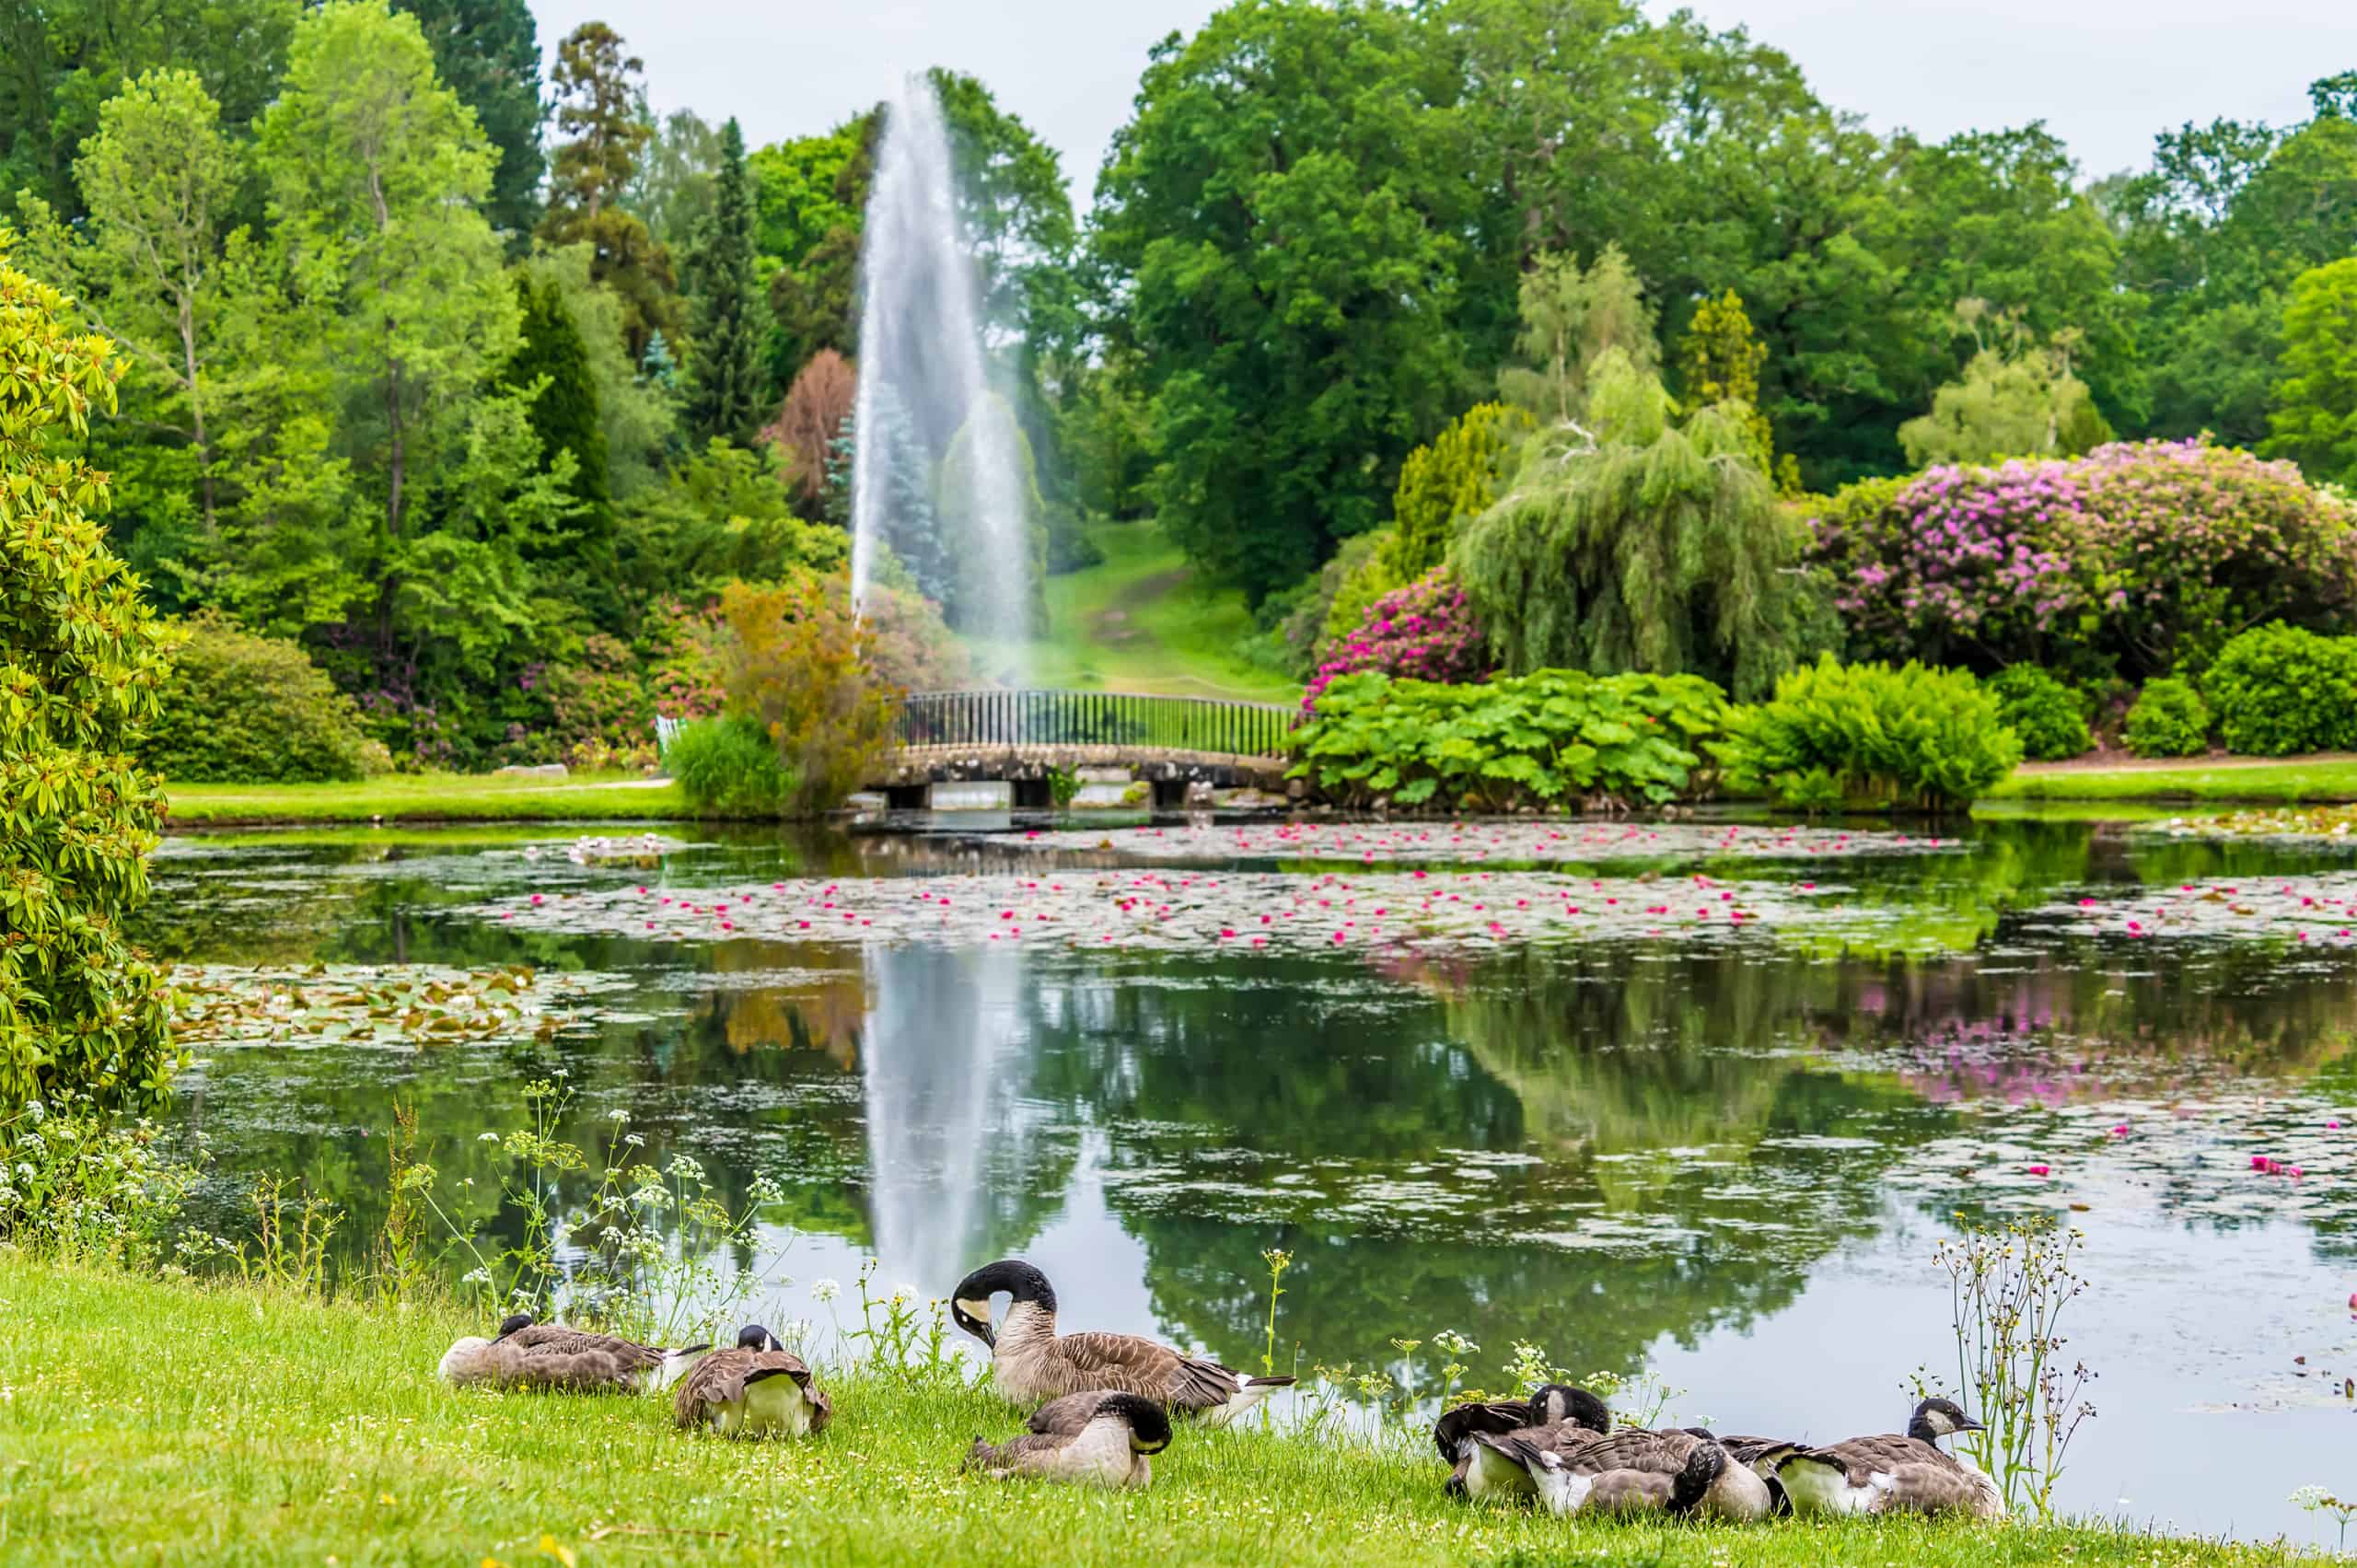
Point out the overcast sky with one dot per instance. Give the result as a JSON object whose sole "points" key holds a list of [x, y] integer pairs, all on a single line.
{"points": [[2104, 74]]}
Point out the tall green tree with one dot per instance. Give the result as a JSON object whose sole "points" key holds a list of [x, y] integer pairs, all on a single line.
{"points": [[488, 52], [1285, 214], [2315, 417], [1571, 317], [551, 356], [376, 176], [728, 393], [597, 92], [672, 189], [810, 193]]}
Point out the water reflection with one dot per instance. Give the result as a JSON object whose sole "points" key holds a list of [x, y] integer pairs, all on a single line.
{"points": [[1691, 1155]]}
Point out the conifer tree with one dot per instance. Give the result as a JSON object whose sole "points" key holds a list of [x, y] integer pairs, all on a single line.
{"points": [[726, 390], [565, 415]]}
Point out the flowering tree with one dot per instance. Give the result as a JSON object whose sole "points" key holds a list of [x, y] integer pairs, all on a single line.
{"points": [[2134, 559], [1423, 631]]}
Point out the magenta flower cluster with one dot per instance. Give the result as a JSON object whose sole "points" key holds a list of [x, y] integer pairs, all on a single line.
{"points": [[1423, 631], [2132, 557]]}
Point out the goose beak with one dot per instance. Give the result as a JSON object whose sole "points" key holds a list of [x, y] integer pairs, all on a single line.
{"points": [[974, 1317], [1969, 1425]]}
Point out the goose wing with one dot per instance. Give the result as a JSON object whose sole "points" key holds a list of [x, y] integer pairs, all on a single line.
{"points": [[720, 1379], [548, 1366], [1131, 1364], [1067, 1417], [1027, 1451], [1452, 1432], [1630, 1449], [555, 1339]]}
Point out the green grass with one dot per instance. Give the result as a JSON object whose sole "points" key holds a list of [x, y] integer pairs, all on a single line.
{"points": [[2323, 780], [427, 797], [1138, 621], [159, 1421]]}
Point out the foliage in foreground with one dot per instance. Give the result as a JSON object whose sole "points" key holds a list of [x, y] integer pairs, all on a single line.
{"points": [[2043, 711], [80, 659], [1557, 738], [726, 767], [242, 709], [2168, 719], [2135, 560], [2278, 690], [1911, 737]]}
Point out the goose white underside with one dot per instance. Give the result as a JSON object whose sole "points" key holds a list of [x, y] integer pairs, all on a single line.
{"points": [[1494, 1473], [1561, 1490], [1247, 1396], [1819, 1488], [675, 1366], [774, 1407]]}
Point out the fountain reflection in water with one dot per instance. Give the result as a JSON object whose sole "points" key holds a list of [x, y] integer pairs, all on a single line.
{"points": [[945, 1055], [922, 390]]}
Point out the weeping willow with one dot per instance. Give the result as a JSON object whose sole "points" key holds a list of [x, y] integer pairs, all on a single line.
{"points": [[1632, 543]]}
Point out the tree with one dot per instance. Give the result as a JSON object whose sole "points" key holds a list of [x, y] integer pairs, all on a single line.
{"points": [[725, 386], [551, 356], [1720, 357], [81, 1012], [596, 98], [1284, 219], [1570, 318], [2315, 418], [1458, 476], [672, 189], [810, 195], [635, 397], [488, 52], [820, 401], [2016, 399], [376, 175], [158, 178], [1637, 544]]}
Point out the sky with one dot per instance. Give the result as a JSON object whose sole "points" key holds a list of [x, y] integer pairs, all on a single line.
{"points": [[2105, 74]]}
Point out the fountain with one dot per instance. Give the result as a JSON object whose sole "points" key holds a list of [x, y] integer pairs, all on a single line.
{"points": [[938, 472]]}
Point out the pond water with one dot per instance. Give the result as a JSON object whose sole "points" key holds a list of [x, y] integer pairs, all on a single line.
{"points": [[1700, 1097]]}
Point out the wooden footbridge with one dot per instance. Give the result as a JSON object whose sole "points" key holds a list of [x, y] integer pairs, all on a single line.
{"points": [[1022, 737]]}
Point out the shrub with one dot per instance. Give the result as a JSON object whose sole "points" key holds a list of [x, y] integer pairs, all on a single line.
{"points": [[1910, 738], [1518, 740], [914, 647], [602, 707], [80, 659], [1295, 619], [82, 1185], [241, 709], [2168, 719], [1368, 577], [727, 768], [2139, 558], [1423, 631], [2279, 689], [801, 666], [2046, 713]]}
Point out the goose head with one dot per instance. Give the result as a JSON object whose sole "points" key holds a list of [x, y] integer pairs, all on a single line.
{"points": [[1562, 1401], [1149, 1423], [752, 1336], [1936, 1418], [970, 1303], [514, 1323]]}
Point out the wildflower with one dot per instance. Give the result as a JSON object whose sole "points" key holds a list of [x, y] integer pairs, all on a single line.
{"points": [[825, 1290]]}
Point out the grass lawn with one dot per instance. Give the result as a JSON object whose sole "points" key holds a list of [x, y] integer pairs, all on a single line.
{"points": [[428, 797], [2323, 779], [1137, 621], [147, 1421]]}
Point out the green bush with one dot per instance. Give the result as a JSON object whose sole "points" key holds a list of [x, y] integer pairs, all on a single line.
{"points": [[81, 1014], [242, 709], [2046, 713], [2279, 690], [1554, 736], [2168, 719], [1913, 737], [728, 768]]}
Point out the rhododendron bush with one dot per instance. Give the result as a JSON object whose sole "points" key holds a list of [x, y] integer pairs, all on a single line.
{"points": [[2135, 559], [1423, 631]]}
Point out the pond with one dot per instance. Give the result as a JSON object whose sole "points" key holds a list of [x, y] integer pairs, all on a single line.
{"points": [[1700, 1097]]}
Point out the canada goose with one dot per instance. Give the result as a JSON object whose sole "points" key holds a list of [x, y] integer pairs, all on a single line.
{"points": [[1030, 1361], [1632, 1470], [1553, 1406], [550, 1356], [1101, 1437], [1890, 1474], [759, 1389]]}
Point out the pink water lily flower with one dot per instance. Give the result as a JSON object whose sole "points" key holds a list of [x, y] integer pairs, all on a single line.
{"points": [[2038, 1169]]}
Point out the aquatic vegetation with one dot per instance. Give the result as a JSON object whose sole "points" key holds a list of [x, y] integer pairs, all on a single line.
{"points": [[2318, 910], [1478, 840], [2274, 822], [2009, 1285], [412, 1005]]}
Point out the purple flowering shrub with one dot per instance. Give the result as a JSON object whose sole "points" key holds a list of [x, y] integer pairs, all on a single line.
{"points": [[1423, 631], [2131, 560]]}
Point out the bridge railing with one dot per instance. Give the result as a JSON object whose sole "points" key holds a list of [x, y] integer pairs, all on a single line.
{"points": [[1095, 718]]}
